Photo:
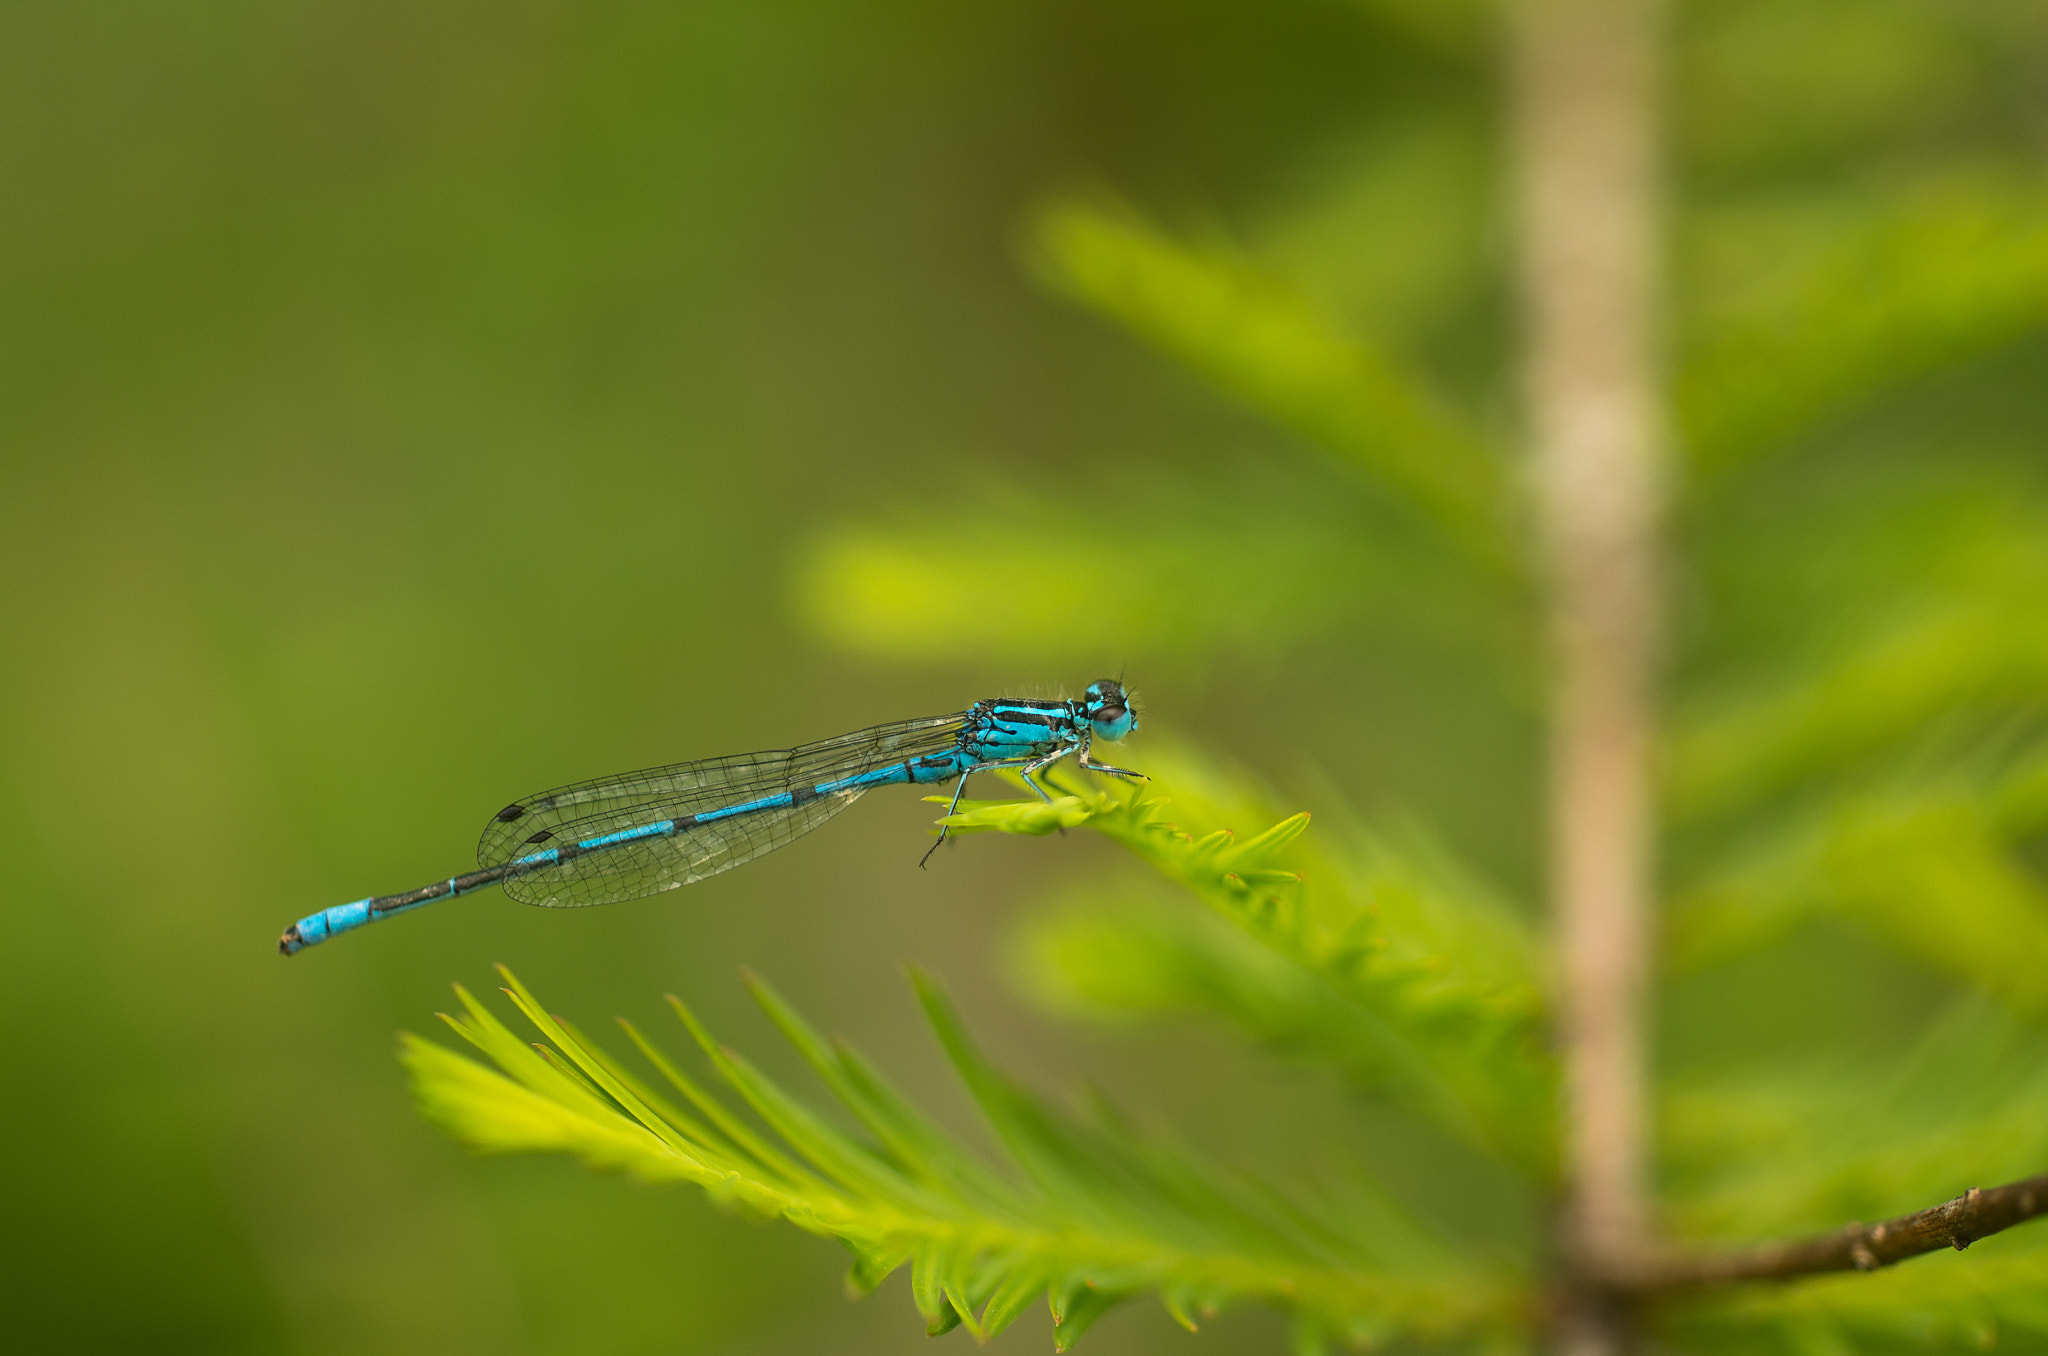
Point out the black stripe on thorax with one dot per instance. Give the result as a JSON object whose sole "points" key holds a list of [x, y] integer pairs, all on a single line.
{"points": [[1047, 719]]}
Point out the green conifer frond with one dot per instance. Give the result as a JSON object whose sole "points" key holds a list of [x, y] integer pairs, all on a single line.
{"points": [[1778, 1151], [1089, 1213], [1405, 976], [889, 592], [1104, 954], [1871, 746], [1118, 949], [1928, 860], [1862, 296], [1253, 338], [1193, 579], [1424, 189], [1946, 627]]}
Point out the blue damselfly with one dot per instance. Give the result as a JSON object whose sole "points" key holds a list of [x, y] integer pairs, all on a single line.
{"points": [[643, 832]]}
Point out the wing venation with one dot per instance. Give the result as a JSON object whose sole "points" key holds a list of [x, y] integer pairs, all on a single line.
{"points": [[586, 810]]}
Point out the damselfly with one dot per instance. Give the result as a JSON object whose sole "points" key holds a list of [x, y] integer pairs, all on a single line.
{"points": [[638, 834]]}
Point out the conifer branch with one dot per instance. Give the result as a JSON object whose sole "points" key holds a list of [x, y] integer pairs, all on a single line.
{"points": [[1254, 338], [1080, 1208], [1957, 1224], [1443, 994]]}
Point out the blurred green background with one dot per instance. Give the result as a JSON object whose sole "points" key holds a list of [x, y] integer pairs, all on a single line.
{"points": [[405, 407]]}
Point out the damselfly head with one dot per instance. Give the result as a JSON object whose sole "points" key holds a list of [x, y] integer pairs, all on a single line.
{"points": [[1109, 710]]}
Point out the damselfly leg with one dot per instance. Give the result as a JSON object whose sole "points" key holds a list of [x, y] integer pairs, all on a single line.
{"points": [[1109, 771], [951, 810], [1040, 765]]}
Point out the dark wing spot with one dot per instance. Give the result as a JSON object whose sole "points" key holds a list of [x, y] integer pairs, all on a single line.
{"points": [[542, 836], [799, 795], [510, 813]]}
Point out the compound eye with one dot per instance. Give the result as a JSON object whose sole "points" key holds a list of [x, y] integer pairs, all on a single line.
{"points": [[1113, 722]]}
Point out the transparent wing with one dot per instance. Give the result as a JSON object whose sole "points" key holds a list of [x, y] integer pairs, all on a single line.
{"points": [[608, 805], [632, 870]]}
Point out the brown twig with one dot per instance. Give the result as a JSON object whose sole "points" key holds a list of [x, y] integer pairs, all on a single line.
{"points": [[1975, 1214]]}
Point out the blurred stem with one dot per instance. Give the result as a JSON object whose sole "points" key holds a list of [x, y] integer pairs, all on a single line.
{"points": [[1584, 77]]}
